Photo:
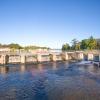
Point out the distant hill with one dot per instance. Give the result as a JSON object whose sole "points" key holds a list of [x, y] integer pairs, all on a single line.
{"points": [[17, 46], [35, 47]]}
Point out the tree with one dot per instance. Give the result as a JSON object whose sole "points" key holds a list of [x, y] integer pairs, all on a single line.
{"points": [[98, 44], [84, 44], [75, 44], [89, 43], [92, 43], [35, 47], [0, 44], [15, 46], [65, 47]]}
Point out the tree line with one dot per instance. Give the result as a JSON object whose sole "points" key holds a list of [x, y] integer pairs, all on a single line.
{"points": [[17, 46], [11, 46], [86, 44]]}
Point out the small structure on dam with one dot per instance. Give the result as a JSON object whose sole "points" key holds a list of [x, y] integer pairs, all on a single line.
{"points": [[43, 57], [96, 59], [88, 56], [14, 58], [77, 55], [56, 56]]}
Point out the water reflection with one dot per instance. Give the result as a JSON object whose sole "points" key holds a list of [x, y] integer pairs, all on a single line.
{"points": [[4, 69], [54, 66], [40, 67], [22, 68], [90, 68], [53, 81]]}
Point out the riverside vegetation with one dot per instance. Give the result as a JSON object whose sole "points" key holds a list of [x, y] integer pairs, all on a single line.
{"points": [[86, 44]]}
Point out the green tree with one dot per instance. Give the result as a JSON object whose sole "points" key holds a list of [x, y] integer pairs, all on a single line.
{"points": [[65, 47], [75, 44], [92, 43], [98, 44], [15, 46], [84, 44]]}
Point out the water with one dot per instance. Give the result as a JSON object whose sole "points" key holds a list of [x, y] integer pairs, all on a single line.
{"points": [[51, 81]]}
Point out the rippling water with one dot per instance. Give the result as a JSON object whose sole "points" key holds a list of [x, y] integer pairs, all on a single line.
{"points": [[52, 81]]}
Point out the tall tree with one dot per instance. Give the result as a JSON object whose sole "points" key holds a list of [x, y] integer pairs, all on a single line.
{"points": [[84, 44], [92, 43], [75, 44], [98, 44]]}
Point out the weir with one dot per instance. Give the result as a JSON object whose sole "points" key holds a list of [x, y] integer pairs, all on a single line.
{"points": [[44, 57]]}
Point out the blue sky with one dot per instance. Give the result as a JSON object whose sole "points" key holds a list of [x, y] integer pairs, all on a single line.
{"points": [[48, 22]]}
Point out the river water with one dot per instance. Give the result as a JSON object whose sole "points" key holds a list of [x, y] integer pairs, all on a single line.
{"points": [[50, 81]]}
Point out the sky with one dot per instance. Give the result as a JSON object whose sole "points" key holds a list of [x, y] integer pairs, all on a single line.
{"points": [[48, 23]]}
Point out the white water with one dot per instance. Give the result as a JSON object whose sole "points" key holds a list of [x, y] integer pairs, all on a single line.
{"points": [[84, 63]]}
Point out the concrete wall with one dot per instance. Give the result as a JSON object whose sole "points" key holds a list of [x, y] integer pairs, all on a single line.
{"points": [[55, 57], [80, 56], [41, 57], [70, 56], [45, 57], [64, 56], [90, 56], [52, 57], [58, 57], [30, 59], [14, 59], [3, 59], [23, 59]]}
